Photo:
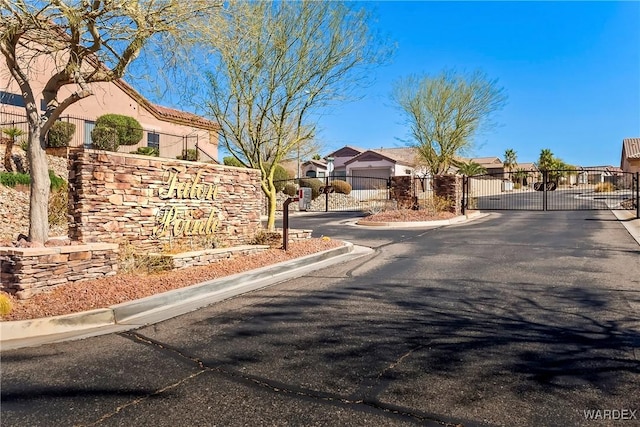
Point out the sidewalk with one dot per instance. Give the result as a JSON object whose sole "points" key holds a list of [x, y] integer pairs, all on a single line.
{"points": [[156, 308], [628, 219]]}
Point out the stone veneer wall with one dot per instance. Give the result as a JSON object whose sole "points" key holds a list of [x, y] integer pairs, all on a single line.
{"points": [[29, 271], [402, 191], [450, 188], [120, 198]]}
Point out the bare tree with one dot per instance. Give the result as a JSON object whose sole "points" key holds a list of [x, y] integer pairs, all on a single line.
{"points": [[278, 63], [84, 42], [445, 112]]}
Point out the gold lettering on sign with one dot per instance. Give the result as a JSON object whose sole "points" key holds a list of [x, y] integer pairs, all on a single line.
{"points": [[178, 220], [191, 189]]}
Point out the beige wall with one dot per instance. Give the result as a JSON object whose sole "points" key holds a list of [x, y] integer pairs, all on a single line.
{"points": [[631, 165], [110, 98]]}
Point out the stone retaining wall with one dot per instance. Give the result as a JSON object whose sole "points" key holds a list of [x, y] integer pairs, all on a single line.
{"points": [[196, 258], [150, 202], [29, 271]]}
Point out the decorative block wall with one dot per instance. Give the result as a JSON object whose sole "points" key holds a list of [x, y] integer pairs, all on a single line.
{"points": [[28, 271], [150, 202], [450, 188]]}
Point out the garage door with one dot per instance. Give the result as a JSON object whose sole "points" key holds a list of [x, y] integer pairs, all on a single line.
{"points": [[369, 179]]}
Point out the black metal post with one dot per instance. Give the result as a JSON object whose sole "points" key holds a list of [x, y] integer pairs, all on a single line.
{"points": [[326, 194], [545, 177], [285, 222], [464, 194], [637, 195]]}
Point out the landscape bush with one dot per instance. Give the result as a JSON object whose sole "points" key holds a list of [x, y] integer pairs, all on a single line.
{"points": [[104, 138], [191, 155], [314, 184], [5, 304], [290, 189], [11, 179], [60, 134], [128, 128], [58, 205], [342, 187], [280, 178], [147, 151], [604, 187]]}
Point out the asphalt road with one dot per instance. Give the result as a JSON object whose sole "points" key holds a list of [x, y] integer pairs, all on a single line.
{"points": [[518, 319]]}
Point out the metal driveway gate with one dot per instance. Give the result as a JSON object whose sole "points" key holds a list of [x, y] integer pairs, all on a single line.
{"points": [[553, 190], [330, 193]]}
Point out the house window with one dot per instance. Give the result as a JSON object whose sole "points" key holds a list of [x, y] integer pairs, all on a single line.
{"points": [[311, 174], [153, 140], [407, 171], [11, 99], [320, 174], [88, 127]]}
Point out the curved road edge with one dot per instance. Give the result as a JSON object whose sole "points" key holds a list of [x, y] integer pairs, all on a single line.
{"points": [[156, 308]]}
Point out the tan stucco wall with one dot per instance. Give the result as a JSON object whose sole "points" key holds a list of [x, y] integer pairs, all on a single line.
{"points": [[109, 98]]}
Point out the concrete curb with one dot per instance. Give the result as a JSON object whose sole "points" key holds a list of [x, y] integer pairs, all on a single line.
{"points": [[630, 222], [155, 308], [415, 224]]}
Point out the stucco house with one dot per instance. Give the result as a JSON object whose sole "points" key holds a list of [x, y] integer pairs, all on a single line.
{"points": [[169, 130], [630, 161], [314, 168]]}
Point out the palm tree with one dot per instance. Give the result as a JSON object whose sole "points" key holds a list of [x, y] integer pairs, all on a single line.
{"points": [[471, 168], [12, 133], [546, 160], [510, 160], [520, 175]]}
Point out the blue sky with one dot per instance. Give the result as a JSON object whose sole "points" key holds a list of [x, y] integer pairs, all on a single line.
{"points": [[571, 71]]}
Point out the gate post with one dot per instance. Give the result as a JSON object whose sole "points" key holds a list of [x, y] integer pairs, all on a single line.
{"points": [[545, 177], [326, 194], [637, 179], [465, 180]]}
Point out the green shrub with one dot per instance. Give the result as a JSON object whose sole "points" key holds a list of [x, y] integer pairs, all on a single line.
{"points": [[191, 155], [60, 134], [104, 138], [314, 184], [290, 189], [280, 177], [147, 151], [342, 187], [128, 129], [232, 161], [10, 179], [57, 182], [24, 145]]}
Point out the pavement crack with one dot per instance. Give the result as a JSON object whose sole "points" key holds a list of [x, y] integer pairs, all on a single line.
{"points": [[281, 388], [133, 402]]}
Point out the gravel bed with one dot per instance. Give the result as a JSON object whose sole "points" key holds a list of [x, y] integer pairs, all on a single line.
{"points": [[101, 293]]}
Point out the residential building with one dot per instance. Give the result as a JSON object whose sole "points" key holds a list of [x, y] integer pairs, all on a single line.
{"points": [[169, 130], [630, 161]]}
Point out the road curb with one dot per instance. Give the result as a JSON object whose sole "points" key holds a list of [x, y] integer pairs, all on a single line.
{"points": [[630, 222], [155, 308], [415, 224]]}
